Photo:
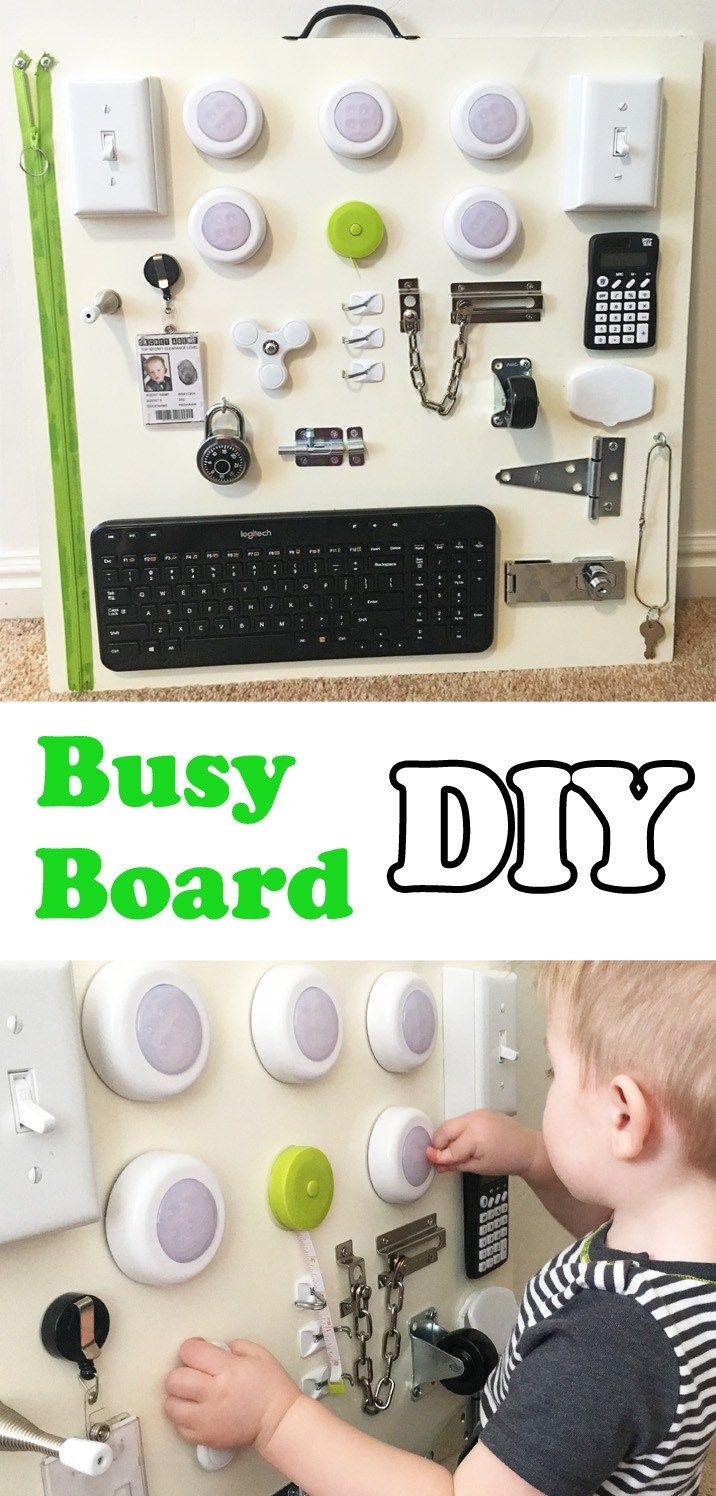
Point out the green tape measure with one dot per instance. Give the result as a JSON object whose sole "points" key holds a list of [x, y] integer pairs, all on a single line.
{"points": [[300, 1188], [37, 161]]}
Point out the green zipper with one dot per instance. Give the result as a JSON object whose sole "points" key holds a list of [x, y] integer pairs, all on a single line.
{"points": [[38, 163]]}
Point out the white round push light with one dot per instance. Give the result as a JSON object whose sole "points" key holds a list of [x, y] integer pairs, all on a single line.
{"points": [[481, 224], [222, 117], [296, 1024], [489, 120], [397, 1164], [227, 225], [402, 1020], [357, 118], [145, 1029], [165, 1218]]}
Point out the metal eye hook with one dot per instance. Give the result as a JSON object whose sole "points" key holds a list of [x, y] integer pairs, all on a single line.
{"points": [[360, 373]]}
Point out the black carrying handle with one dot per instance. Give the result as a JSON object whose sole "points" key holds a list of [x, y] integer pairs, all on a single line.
{"points": [[351, 10]]}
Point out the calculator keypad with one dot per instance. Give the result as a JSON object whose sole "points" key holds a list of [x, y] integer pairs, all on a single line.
{"points": [[493, 1227], [622, 312]]}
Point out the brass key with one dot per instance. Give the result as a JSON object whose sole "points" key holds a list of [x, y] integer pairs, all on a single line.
{"points": [[652, 632]]}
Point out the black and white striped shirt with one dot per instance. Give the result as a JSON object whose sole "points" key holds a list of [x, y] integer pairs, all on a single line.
{"points": [[608, 1383]]}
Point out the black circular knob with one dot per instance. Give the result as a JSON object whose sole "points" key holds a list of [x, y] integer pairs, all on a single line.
{"points": [[478, 1356], [62, 1330]]}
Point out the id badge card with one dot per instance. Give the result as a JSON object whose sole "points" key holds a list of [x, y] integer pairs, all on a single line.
{"points": [[170, 379]]}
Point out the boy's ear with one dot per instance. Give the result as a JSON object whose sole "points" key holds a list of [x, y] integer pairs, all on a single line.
{"points": [[632, 1119]]}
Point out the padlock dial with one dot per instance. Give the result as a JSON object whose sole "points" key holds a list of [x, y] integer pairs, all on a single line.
{"points": [[296, 1024], [489, 120], [222, 117], [165, 1218], [223, 459], [481, 224], [357, 118], [227, 225], [402, 1020], [397, 1163], [145, 1029]]}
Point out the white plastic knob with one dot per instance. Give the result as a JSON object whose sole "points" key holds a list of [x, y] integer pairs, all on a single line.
{"points": [[86, 1456], [215, 1459], [357, 118], [296, 1024], [227, 225], [222, 117], [402, 1020], [489, 120], [145, 1028], [397, 1164], [165, 1218], [481, 224]]}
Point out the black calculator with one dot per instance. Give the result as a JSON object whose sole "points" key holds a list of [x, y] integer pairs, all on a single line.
{"points": [[486, 1222], [621, 294]]}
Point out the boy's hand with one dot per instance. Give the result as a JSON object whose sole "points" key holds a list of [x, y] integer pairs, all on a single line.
{"points": [[227, 1398], [483, 1143]]}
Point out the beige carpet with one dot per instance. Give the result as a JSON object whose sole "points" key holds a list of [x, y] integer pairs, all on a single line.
{"points": [[708, 1484], [690, 677]]}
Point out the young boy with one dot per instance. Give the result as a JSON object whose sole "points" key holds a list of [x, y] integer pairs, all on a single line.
{"points": [[609, 1381]]}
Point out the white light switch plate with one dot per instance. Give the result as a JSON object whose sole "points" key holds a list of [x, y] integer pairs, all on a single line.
{"points": [[120, 115], [125, 1477], [479, 1007], [606, 116], [46, 1181]]}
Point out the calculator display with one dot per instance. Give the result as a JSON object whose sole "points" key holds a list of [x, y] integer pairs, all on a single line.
{"points": [[630, 260]]}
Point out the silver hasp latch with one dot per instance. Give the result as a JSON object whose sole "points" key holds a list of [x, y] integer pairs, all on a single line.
{"points": [[599, 477], [587, 579], [325, 446]]}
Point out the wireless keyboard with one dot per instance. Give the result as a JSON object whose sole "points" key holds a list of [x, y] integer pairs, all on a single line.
{"points": [[174, 593]]}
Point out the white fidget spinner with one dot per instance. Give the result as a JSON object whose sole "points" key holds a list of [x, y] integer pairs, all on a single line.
{"points": [[271, 348]]}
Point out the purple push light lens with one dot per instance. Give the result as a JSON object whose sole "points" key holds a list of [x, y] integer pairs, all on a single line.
{"points": [[169, 1030], [358, 117], [225, 226], [221, 116], [187, 1220], [418, 1021], [484, 224], [416, 1166], [315, 1024], [493, 118]]}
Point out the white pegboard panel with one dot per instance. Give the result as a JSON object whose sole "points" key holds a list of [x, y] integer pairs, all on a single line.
{"points": [[413, 456]]}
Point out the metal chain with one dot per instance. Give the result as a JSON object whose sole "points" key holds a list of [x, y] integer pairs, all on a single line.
{"points": [[419, 377], [376, 1400], [659, 444]]}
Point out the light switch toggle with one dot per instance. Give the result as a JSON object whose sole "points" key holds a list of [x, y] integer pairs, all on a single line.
{"points": [[506, 1052], [29, 1115], [108, 141], [621, 141]]}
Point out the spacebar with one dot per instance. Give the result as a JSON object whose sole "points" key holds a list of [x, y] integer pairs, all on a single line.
{"points": [[243, 649]]}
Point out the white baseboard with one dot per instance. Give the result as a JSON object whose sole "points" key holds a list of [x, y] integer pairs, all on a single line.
{"points": [[21, 584], [696, 576], [20, 587]]}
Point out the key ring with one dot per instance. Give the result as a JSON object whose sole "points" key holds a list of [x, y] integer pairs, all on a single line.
{"points": [[38, 152]]}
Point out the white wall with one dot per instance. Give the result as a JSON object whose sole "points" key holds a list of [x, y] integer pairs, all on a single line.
{"points": [[237, 1119], [19, 574]]}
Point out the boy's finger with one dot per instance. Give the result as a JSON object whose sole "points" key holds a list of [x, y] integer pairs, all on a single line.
{"points": [[445, 1133], [187, 1383], [202, 1355], [181, 1414]]}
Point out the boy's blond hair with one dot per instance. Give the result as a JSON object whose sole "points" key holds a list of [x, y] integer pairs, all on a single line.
{"points": [[655, 1020]]}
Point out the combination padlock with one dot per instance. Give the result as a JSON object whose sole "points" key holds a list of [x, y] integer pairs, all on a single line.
{"points": [[224, 456]]}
